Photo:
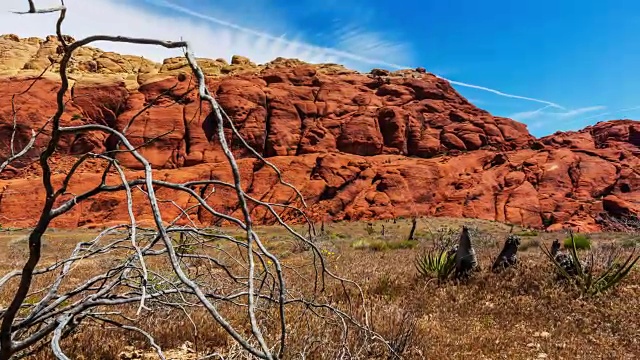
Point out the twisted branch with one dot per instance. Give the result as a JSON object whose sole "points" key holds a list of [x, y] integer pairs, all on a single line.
{"points": [[205, 272]]}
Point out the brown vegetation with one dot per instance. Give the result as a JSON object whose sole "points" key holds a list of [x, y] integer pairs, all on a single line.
{"points": [[520, 313]]}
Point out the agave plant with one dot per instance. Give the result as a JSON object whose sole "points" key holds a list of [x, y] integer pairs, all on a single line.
{"points": [[436, 263], [584, 273]]}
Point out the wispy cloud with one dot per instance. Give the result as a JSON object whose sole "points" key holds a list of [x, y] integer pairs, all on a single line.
{"points": [[618, 111], [576, 123], [370, 44], [119, 17], [356, 29], [339, 53], [580, 111], [525, 115], [212, 36], [278, 41], [554, 115]]}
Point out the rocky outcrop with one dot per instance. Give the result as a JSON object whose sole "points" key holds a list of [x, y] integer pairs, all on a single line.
{"points": [[283, 108], [359, 146]]}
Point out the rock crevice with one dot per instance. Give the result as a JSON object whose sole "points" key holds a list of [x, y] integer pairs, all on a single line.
{"points": [[359, 146]]}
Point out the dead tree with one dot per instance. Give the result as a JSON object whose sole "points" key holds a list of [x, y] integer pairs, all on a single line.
{"points": [[508, 256], [466, 261], [414, 223], [250, 280]]}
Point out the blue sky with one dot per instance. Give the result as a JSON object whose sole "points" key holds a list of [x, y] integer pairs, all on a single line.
{"points": [[578, 62]]}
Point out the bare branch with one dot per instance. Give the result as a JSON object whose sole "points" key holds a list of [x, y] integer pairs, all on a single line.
{"points": [[33, 10], [147, 268]]}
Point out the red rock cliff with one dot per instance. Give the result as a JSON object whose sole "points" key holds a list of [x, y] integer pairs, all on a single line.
{"points": [[359, 146]]}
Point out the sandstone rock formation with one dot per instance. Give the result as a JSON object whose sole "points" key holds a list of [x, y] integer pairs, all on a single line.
{"points": [[359, 146]]}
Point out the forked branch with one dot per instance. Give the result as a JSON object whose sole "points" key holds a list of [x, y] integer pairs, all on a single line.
{"points": [[146, 269]]}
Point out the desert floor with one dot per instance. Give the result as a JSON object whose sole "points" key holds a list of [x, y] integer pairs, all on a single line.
{"points": [[521, 313]]}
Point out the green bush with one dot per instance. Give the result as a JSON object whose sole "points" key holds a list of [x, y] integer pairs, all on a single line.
{"points": [[378, 245], [360, 244], [582, 242]]}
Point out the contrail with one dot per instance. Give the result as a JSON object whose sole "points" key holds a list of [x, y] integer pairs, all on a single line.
{"points": [[332, 51], [497, 92]]}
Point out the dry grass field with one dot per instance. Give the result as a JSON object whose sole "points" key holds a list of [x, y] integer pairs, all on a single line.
{"points": [[521, 313]]}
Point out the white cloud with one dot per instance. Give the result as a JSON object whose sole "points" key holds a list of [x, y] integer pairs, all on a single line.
{"points": [[371, 44], [528, 114], [280, 43], [209, 36], [557, 118], [343, 55], [580, 111], [116, 17], [554, 115], [618, 111]]}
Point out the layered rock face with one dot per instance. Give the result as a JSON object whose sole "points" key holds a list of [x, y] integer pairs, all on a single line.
{"points": [[358, 146]]}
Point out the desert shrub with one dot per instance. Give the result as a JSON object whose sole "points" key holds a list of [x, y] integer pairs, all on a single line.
{"points": [[447, 236], [382, 245], [183, 246], [528, 232], [629, 243], [526, 245], [403, 244], [299, 247], [444, 236], [401, 334], [370, 229], [435, 263], [582, 242], [378, 245], [375, 245], [360, 244], [332, 235], [384, 286]]}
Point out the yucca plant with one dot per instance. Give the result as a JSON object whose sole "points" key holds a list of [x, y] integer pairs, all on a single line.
{"points": [[436, 263], [584, 273]]}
